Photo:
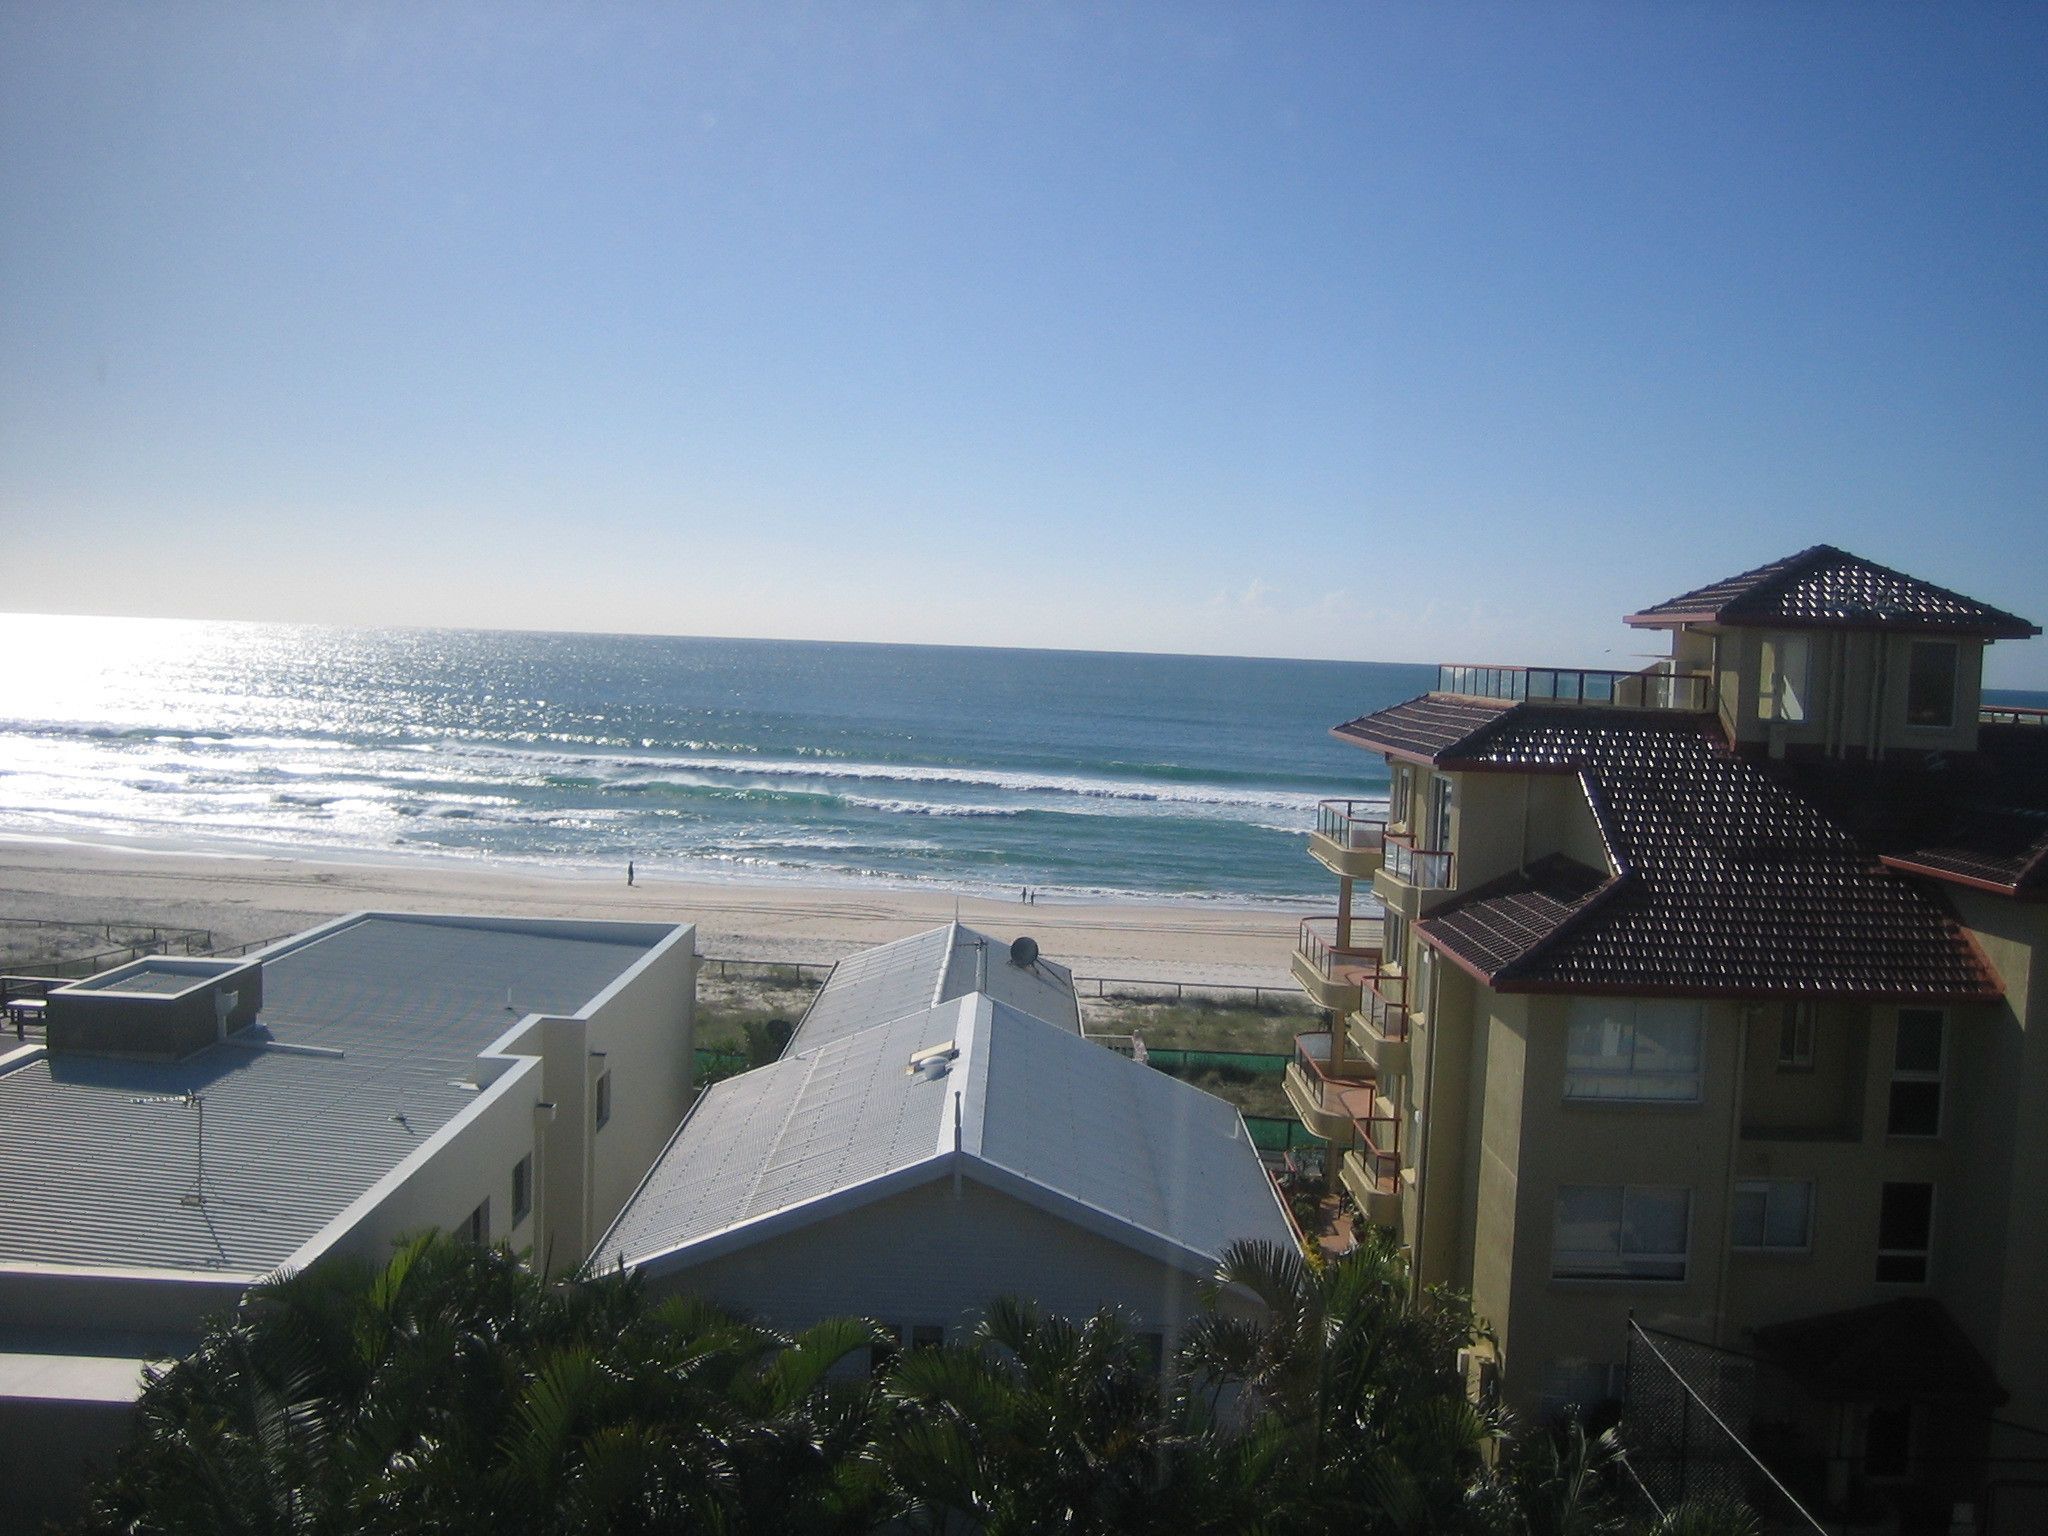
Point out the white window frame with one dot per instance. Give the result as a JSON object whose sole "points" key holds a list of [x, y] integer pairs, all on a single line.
{"points": [[1955, 685], [1768, 1189], [1924, 1255], [1400, 794], [1784, 678], [1443, 801], [1938, 1076], [1577, 1267], [478, 1228], [1584, 1085]]}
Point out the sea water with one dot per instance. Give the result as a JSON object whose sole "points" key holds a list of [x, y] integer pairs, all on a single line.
{"points": [[1075, 773]]}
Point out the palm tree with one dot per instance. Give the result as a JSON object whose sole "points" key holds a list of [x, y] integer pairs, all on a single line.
{"points": [[1349, 1390], [1040, 1424]]}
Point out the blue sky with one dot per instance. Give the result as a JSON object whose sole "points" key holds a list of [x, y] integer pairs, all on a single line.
{"points": [[1415, 333]]}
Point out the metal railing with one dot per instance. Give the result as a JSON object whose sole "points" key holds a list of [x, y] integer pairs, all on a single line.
{"points": [[1378, 1149], [2011, 714], [1427, 869], [1386, 1007], [1654, 688], [1326, 955], [1341, 823], [1312, 1055]]}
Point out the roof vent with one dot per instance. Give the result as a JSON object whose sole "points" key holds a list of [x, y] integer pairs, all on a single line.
{"points": [[1024, 952], [933, 1062]]}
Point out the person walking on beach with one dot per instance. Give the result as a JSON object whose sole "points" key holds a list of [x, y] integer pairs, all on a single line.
{"points": [[629, 871]]}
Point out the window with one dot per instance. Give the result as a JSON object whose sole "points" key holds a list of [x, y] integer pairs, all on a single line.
{"points": [[604, 1098], [1621, 1232], [478, 1228], [1394, 938], [1399, 793], [1422, 996], [1781, 688], [1887, 1439], [1795, 1038], [1915, 1108], [1931, 683], [1645, 1049], [927, 1336], [1905, 1233], [1440, 812], [1774, 1214], [522, 1189]]}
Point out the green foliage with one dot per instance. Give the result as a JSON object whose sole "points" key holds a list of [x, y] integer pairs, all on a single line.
{"points": [[455, 1391]]}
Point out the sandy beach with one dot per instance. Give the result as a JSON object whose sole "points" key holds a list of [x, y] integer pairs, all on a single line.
{"points": [[242, 898]]}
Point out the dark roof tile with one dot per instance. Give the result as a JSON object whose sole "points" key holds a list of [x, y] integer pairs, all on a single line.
{"points": [[1731, 883], [1830, 587], [1422, 727]]}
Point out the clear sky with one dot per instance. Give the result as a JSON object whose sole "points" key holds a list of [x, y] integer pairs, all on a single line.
{"points": [[1404, 333]]}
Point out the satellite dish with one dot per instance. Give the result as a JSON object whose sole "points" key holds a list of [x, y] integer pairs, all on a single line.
{"points": [[1024, 952]]}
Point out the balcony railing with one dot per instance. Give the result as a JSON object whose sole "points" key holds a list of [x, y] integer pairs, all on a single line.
{"points": [[1341, 822], [1312, 1054], [1427, 869], [1655, 688], [1344, 964], [2011, 714], [1385, 1007], [1379, 1147]]}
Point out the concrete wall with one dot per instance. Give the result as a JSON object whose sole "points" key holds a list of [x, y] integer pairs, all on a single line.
{"points": [[1603, 1142], [931, 1256], [1856, 693], [2002, 1131]]}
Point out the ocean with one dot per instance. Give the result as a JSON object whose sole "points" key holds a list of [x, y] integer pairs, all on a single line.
{"points": [[1080, 774]]}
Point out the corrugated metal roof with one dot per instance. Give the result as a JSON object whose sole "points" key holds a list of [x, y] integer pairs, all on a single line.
{"points": [[1073, 1122], [941, 965], [291, 1139]]}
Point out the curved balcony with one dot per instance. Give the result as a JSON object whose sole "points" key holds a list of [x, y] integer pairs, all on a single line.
{"points": [[1346, 841], [1327, 1103], [1333, 975], [1411, 880], [1371, 1169], [1379, 1029]]}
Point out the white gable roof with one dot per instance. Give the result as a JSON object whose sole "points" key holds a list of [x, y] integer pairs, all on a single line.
{"points": [[1024, 1106], [940, 965]]}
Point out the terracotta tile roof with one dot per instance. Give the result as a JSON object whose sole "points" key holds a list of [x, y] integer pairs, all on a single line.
{"points": [[1825, 586], [1422, 727], [1731, 883], [1493, 928]]}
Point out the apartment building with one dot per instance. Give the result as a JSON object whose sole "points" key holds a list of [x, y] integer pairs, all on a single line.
{"points": [[1703, 997]]}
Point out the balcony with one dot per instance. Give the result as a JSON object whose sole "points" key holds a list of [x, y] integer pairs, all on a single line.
{"points": [[1346, 842], [1371, 1169], [1333, 975], [1989, 714], [1379, 1029], [1327, 1102], [1657, 687], [1412, 879]]}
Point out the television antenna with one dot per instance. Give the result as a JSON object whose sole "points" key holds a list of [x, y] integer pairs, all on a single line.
{"points": [[197, 1194]]}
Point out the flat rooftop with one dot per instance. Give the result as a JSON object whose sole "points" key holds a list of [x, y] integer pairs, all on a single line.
{"points": [[397, 1010]]}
